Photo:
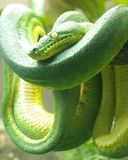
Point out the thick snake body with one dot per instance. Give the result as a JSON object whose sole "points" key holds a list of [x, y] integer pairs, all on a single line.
{"points": [[52, 73], [35, 130], [110, 129], [75, 108]]}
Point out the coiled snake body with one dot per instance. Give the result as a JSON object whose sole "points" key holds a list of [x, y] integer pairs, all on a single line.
{"points": [[90, 49]]}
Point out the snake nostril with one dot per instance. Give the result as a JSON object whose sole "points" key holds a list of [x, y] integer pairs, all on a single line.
{"points": [[34, 50]]}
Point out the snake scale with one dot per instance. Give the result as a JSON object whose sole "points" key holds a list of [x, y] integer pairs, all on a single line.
{"points": [[89, 93]]}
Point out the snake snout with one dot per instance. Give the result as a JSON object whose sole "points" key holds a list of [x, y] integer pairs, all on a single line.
{"points": [[33, 51]]}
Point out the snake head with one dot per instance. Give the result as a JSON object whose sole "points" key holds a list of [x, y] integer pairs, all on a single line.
{"points": [[59, 39]]}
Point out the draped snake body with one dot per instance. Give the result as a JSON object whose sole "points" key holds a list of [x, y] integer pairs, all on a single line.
{"points": [[72, 70]]}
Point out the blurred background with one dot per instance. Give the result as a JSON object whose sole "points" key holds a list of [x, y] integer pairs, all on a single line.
{"points": [[8, 150]]}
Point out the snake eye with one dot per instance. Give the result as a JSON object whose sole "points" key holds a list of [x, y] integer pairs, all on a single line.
{"points": [[54, 35]]}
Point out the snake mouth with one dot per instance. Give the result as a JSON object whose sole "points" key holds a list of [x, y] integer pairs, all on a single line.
{"points": [[54, 47]]}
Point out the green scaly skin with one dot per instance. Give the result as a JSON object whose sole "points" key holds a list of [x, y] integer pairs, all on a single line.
{"points": [[35, 130], [79, 63], [61, 36], [111, 127], [74, 63]]}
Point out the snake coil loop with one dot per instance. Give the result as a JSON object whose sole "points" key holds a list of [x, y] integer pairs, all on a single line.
{"points": [[73, 53]]}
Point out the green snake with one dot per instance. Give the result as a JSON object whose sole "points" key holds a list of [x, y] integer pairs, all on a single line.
{"points": [[73, 53], [51, 132]]}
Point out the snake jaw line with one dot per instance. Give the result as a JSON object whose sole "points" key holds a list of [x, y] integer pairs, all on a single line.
{"points": [[60, 38], [56, 45]]}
